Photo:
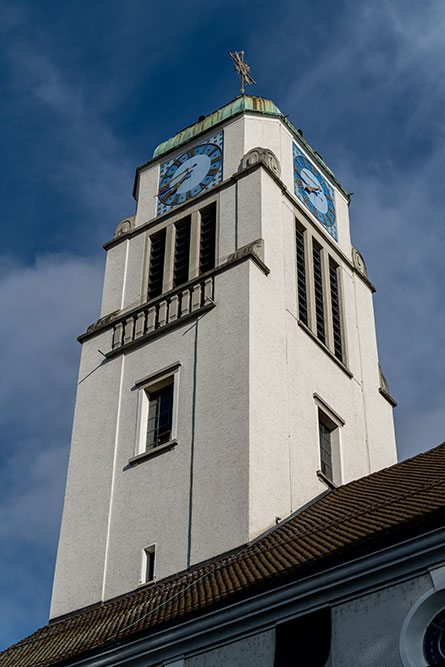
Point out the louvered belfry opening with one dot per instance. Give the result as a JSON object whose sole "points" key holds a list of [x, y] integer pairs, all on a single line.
{"points": [[207, 248], [156, 273], [335, 305], [301, 274], [318, 289], [182, 252]]}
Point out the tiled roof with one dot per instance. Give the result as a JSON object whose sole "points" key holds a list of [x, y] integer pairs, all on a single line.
{"points": [[375, 511]]}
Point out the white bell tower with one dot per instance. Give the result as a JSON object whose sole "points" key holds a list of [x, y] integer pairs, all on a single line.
{"points": [[241, 376]]}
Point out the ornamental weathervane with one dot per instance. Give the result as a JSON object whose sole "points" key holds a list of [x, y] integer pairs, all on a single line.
{"points": [[242, 68]]}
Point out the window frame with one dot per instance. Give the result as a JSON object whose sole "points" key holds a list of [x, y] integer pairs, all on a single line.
{"points": [[152, 383], [147, 552], [329, 418]]}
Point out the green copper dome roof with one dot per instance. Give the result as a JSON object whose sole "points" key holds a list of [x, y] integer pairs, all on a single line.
{"points": [[236, 106], [241, 104]]}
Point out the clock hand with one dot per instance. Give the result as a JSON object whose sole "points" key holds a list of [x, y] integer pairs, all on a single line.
{"points": [[175, 186], [169, 184], [311, 188]]}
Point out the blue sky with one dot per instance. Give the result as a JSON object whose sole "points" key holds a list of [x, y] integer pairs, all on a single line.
{"points": [[88, 90]]}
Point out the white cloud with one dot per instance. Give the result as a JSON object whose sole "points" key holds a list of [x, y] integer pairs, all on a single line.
{"points": [[44, 307]]}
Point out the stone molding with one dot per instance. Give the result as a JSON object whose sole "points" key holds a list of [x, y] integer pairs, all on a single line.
{"points": [[124, 227], [359, 262], [254, 248], [99, 324], [263, 155]]}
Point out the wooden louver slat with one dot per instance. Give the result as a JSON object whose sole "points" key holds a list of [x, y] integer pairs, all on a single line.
{"points": [[335, 306], [318, 289], [182, 252], [208, 239], [301, 275], [156, 272]]}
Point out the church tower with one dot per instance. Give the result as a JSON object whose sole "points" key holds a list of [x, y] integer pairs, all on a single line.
{"points": [[233, 375]]}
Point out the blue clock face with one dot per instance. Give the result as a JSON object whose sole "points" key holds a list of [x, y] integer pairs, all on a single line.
{"points": [[315, 192], [194, 171]]}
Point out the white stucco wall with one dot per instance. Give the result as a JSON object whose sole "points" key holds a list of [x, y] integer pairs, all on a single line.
{"points": [[366, 631], [115, 276], [253, 370], [255, 651]]}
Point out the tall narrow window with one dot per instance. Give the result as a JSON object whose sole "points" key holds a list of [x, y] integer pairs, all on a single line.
{"points": [[160, 416], [182, 252], [148, 564], [318, 289], [156, 272], [325, 435], [335, 305], [301, 274], [207, 249]]}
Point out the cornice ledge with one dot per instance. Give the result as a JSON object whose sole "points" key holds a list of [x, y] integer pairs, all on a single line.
{"points": [[101, 323]]}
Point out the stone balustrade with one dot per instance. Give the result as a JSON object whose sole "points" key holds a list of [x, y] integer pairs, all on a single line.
{"points": [[184, 302]]}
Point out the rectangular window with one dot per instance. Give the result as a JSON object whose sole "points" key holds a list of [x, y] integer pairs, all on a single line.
{"points": [[160, 415], [329, 442], [182, 252], [335, 306], [301, 274], [318, 289], [325, 447], [156, 273], [207, 249], [148, 564], [156, 412]]}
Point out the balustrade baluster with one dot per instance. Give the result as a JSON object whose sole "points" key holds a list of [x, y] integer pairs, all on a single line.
{"points": [[185, 302], [196, 297], [117, 335], [151, 319], [208, 291], [173, 310], [129, 330], [162, 313], [140, 323]]}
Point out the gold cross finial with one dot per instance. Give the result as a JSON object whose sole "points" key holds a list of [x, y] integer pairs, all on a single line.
{"points": [[242, 68]]}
